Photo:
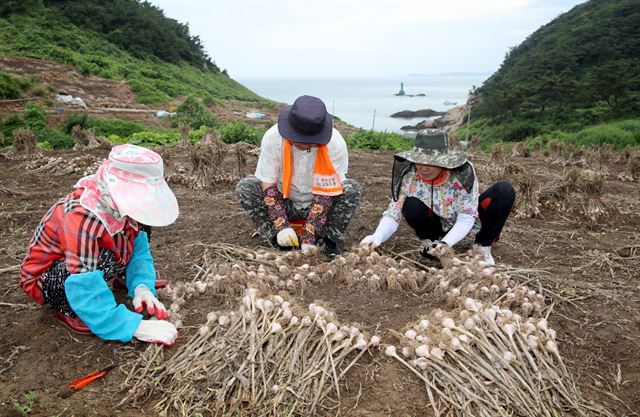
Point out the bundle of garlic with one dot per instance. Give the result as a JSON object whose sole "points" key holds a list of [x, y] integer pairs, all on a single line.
{"points": [[527, 203], [592, 183], [469, 276], [490, 363], [366, 267], [269, 356]]}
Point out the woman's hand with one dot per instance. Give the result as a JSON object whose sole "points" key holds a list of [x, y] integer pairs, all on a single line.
{"points": [[143, 297], [373, 240], [156, 331]]}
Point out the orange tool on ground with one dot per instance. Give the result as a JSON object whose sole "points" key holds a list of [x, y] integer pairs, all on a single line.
{"points": [[82, 382]]}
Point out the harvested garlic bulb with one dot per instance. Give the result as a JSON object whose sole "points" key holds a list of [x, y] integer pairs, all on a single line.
{"points": [[406, 352], [212, 317], [204, 330], [437, 353], [423, 351], [390, 350], [410, 334], [448, 323], [201, 286], [331, 328]]}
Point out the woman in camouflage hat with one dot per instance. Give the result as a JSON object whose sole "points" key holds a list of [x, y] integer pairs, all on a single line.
{"points": [[436, 190]]}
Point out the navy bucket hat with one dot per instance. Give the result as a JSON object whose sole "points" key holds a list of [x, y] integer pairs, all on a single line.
{"points": [[306, 121]]}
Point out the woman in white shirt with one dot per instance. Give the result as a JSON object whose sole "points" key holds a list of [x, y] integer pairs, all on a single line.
{"points": [[300, 181]]}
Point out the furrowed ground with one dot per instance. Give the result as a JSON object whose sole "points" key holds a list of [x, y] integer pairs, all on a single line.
{"points": [[589, 271]]}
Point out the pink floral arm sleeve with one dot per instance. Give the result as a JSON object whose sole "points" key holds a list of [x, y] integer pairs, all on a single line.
{"points": [[316, 219], [277, 213]]}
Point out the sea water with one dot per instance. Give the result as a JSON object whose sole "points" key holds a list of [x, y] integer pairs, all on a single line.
{"points": [[356, 101]]}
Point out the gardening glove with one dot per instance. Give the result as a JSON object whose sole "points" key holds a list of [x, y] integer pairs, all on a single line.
{"points": [[432, 245], [143, 297], [156, 331], [287, 238], [307, 248], [386, 228], [372, 240]]}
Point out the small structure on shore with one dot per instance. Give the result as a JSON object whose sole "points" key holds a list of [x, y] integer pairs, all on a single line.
{"points": [[401, 92]]}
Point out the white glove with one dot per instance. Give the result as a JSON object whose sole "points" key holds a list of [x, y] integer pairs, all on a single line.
{"points": [[307, 248], [287, 237], [374, 240], [143, 297], [386, 228], [156, 331]]}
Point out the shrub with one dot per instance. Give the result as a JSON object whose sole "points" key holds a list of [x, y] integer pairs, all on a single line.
{"points": [[57, 139], [35, 118], [147, 94], [148, 138], [102, 127], [368, 139], [241, 132], [75, 119], [9, 86], [194, 113]]}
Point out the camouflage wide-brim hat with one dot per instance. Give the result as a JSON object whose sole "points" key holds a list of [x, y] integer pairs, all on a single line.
{"points": [[432, 148]]}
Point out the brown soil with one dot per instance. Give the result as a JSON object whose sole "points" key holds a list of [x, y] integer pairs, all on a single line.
{"points": [[596, 311]]}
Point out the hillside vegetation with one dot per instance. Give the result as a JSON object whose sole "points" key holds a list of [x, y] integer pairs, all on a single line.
{"points": [[120, 40], [581, 69]]}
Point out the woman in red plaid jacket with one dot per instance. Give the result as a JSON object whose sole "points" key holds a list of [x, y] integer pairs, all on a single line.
{"points": [[98, 233]]}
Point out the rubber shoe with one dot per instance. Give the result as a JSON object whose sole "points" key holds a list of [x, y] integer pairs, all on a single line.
{"points": [[486, 255], [425, 253], [74, 324], [329, 247]]}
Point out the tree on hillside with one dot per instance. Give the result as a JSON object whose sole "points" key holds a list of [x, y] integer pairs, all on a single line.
{"points": [[138, 27], [582, 67], [9, 7]]}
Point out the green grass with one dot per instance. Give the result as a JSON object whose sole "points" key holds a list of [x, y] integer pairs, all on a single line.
{"points": [[15, 87], [154, 81], [619, 134], [29, 402], [369, 139]]}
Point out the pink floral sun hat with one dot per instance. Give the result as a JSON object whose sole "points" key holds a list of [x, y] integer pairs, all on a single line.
{"points": [[135, 180]]}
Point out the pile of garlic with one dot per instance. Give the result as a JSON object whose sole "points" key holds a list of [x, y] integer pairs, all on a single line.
{"points": [[488, 360], [263, 356]]}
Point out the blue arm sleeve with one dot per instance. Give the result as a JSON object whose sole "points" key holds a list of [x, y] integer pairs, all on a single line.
{"points": [[93, 302], [140, 269]]}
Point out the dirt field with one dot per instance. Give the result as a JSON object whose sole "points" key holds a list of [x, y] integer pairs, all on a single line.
{"points": [[590, 271]]}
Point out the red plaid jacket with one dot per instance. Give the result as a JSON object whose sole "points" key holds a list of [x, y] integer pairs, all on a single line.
{"points": [[71, 233]]}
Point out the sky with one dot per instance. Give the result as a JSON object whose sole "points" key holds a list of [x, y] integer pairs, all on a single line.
{"points": [[327, 39]]}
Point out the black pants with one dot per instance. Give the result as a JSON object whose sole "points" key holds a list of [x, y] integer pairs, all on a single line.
{"points": [[53, 291], [493, 209]]}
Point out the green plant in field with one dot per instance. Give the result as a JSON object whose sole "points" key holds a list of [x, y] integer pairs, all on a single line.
{"points": [[14, 86], [102, 127], [241, 132], [194, 113], [369, 139], [29, 402]]}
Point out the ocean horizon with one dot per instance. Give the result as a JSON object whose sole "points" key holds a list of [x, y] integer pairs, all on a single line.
{"points": [[357, 100]]}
